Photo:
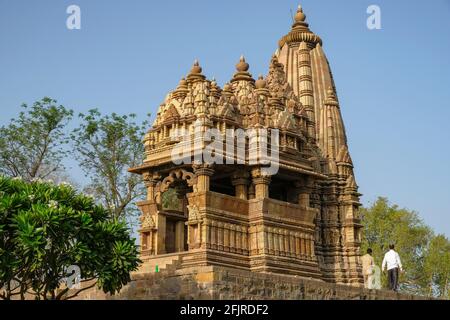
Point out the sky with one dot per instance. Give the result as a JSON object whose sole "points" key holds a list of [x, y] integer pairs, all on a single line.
{"points": [[393, 84]]}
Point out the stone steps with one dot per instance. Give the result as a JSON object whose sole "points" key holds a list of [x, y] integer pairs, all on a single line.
{"points": [[167, 264]]}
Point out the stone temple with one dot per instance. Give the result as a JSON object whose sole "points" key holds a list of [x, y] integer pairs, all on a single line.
{"points": [[300, 222]]}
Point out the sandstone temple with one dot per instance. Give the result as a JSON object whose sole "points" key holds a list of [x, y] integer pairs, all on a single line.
{"points": [[302, 221]]}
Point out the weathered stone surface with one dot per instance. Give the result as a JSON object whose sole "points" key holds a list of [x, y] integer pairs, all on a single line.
{"points": [[205, 283], [301, 221]]}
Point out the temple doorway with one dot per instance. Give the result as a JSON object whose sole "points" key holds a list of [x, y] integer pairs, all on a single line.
{"points": [[174, 208]]}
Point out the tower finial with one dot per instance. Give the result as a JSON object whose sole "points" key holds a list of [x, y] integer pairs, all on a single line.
{"points": [[195, 73], [196, 69], [300, 16], [242, 73], [242, 66]]}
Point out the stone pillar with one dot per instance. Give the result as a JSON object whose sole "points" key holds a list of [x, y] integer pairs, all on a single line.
{"points": [[240, 181], [298, 250], [261, 183], [214, 235], [150, 222], [292, 244], [160, 234], [311, 243], [151, 182], [144, 240], [204, 229], [180, 225], [239, 239], [251, 191], [304, 190], [179, 236], [220, 236], [195, 229], [203, 173]]}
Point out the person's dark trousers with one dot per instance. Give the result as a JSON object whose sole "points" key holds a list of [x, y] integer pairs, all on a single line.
{"points": [[393, 278]]}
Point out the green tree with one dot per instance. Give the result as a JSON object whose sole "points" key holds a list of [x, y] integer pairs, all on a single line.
{"points": [[385, 224], [170, 200], [45, 229], [32, 146], [437, 267], [106, 147]]}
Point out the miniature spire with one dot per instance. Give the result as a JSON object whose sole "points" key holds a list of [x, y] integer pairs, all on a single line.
{"points": [[227, 90], [182, 89], [260, 83], [196, 73], [331, 99], [215, 89], [183, 83], [242, 71], [196, 69], [331, 133]]}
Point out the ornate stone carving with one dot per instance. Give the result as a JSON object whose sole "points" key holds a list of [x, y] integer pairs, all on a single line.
{"points": [[298, 98], [177, 175], [148, 222]]}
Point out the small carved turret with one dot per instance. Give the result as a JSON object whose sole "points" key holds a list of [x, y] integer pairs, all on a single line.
{"points": [[182, 90], [332, 133], [242, 73], [196, 73], [306, 87]]}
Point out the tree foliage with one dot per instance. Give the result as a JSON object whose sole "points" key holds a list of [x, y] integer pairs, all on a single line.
{"points": [[45, 229], [106, 147], [32, 146], [437, 266], [415, 242]]}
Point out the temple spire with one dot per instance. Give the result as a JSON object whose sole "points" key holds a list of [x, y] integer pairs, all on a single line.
{"points": [[332, 132], [300, 20], [242, 73], [196, 72]]}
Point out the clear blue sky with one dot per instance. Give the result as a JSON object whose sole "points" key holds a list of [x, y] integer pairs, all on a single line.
{"points": [[393, 84]]}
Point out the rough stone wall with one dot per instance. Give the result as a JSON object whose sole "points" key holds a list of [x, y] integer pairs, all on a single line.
{"points": [[203, 283]]}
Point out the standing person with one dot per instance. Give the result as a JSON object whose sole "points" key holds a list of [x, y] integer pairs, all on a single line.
{"points": [[393, 263], [367, 268]]}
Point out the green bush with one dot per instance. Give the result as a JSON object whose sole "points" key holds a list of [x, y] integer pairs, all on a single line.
{"points": [[45, 229]]}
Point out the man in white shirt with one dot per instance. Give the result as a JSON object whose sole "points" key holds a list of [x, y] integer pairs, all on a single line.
{"points": [[392, 262]]}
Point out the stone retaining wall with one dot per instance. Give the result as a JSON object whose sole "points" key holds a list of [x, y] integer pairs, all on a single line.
{"points": [[203, 283]]}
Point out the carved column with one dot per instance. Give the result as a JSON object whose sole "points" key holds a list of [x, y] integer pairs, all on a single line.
{"points": [[151, 180], [195, 229], [304, 189], [261, 183], [148, 231], [251, 191], [152, 230], [213, 235], [160, 234], [203, 173], [180, 225], [240, 181]]}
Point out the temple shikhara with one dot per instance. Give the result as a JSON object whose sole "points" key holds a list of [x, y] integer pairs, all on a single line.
{"points": [[302, 221]]}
